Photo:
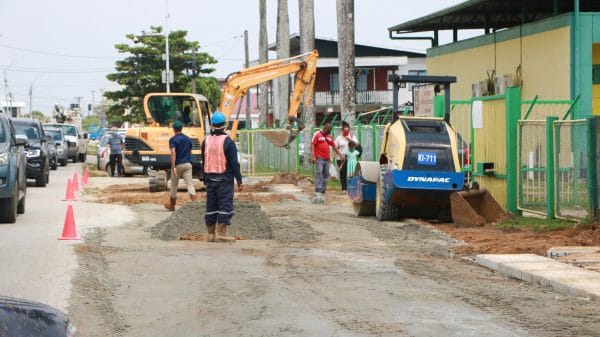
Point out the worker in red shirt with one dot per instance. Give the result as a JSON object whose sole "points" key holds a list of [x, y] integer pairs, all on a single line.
{"points": [[321, 143]]}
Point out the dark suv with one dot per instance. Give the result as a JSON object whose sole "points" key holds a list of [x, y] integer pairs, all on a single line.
{"points": [[13, 178], [38, 156]]}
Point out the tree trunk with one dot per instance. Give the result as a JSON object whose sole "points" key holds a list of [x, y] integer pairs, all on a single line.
{"points": [[283, 52], [263, 57], [307, 45], [345, 27]]}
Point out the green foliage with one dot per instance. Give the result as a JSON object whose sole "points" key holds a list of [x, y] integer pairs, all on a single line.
{"points": [[91, 120], [209, 87], [37, 115], [140, 72], [536, 224]]}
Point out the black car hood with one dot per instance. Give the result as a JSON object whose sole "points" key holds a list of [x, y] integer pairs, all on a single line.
{"points": [[34, 145], [20, 317]]}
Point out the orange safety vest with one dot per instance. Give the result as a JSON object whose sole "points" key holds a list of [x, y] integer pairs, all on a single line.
{"points": [[214, 156]]}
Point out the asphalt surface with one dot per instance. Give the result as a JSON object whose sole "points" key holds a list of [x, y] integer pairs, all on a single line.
{"points": [[37, 266]]}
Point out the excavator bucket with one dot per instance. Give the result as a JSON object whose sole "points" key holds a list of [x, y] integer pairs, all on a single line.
{"points": [[280, 138], [475, 208]]}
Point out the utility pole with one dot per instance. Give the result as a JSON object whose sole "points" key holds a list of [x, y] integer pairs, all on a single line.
{"points": [[102, 114], [263, 55], [248, 93], [345, 32], [92, 112], [6, 94], [168, 71], [31, 100], [194, 74]]}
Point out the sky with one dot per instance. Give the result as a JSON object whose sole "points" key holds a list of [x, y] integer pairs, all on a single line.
{"points": [[63, 49]]}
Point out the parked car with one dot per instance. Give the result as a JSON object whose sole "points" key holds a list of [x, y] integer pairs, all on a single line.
{"points": [[52, 152], [103, 159], [38, 155], [13, 172], [61, 144], [20, 317], [77, 142]]}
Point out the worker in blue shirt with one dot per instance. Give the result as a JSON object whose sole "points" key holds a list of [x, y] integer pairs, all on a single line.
{"points": [[181, 164]]}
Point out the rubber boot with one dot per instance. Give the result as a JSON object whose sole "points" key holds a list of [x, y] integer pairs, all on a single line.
{"points": [[210, 237], [170, 205], [222, 234]]}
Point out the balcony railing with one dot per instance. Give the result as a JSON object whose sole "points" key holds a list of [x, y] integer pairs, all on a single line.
{"points": [[362, 97]]}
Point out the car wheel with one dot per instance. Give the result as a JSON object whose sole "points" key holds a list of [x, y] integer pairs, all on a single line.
{"points": [[80, 158], [63, 162], [54, 165], [8, 207], [42, 180], [21, 205]]}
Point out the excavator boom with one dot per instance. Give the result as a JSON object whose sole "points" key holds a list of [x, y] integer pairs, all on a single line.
{"points": [[303, 66]]}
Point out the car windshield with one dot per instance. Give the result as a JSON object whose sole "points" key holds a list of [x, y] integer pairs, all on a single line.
{"points": [[68, 130], [55, 134], [28, 130]]}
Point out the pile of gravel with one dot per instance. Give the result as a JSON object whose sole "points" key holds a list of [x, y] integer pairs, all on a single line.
{"points": [[248, 221]]}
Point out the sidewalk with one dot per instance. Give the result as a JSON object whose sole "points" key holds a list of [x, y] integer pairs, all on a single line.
{"points": [[562, 277]]}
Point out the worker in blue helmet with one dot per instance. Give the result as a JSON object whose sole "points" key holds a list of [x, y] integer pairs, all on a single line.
{"points": [[221, 168]]}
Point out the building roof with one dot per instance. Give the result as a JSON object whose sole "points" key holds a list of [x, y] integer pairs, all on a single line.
{"points": [[491, 14], [328, 48]]}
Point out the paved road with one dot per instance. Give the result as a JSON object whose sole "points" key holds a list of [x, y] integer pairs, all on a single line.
{"points": [[35, 265]]}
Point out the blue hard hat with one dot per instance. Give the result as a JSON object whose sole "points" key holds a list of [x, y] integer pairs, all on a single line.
{"points": [[218, 118]]}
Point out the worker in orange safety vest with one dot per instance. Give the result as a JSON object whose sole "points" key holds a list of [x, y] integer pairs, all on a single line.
{"points": [[221, 167]]}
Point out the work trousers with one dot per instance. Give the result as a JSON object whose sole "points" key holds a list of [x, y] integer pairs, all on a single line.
{"points": [[184, 171], [116, 159], [342, 164], [321, 175], [219, 201]]}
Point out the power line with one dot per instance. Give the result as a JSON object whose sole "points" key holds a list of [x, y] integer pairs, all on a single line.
{"points": [[54, 54]]}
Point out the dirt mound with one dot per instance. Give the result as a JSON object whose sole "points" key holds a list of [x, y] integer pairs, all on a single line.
{"points": [[488, 239], [281, 178], [248, 222]]}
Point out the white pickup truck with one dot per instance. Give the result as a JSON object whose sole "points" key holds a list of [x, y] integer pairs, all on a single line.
{"points": [[77, 142]]}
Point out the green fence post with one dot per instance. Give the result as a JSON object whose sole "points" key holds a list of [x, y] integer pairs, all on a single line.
{"points": [[438, 106], [374, 141], [592, 176], [513, 113], [550, 173]]}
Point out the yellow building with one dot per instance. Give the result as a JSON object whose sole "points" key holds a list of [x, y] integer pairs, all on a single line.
{"points": [[550, 47]]}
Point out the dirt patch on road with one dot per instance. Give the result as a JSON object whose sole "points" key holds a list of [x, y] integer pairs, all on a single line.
{"points": [[492, 240]]}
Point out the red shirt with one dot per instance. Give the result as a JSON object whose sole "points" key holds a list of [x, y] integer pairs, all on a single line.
{"points": [[321, 143]]}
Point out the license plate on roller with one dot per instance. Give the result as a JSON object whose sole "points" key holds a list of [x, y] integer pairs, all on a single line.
{"points": [[426, 158]]}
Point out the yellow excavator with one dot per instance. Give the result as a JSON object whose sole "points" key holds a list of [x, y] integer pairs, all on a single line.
{"points": [[149, 145], [304, 68]]}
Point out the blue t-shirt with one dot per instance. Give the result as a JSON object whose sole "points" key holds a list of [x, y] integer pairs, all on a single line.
{"points": [[115, 142], [183, 148]]}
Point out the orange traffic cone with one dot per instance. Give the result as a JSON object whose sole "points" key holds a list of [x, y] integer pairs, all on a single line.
{"points": [[70, 195], [86, 176], [69, 232], [75, 182]]}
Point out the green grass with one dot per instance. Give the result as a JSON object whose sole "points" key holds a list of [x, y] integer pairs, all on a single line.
{"points": [[535, 224], [92, 149]]}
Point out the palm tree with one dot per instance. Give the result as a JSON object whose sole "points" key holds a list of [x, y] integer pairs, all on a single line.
{"points": [[345, 28], [263, 57], [283, 52]]}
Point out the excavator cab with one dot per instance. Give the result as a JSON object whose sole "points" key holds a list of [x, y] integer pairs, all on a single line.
{"points": [[148, 145]]}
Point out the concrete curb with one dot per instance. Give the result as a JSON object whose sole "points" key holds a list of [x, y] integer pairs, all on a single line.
{"points": [[533, 268]]}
